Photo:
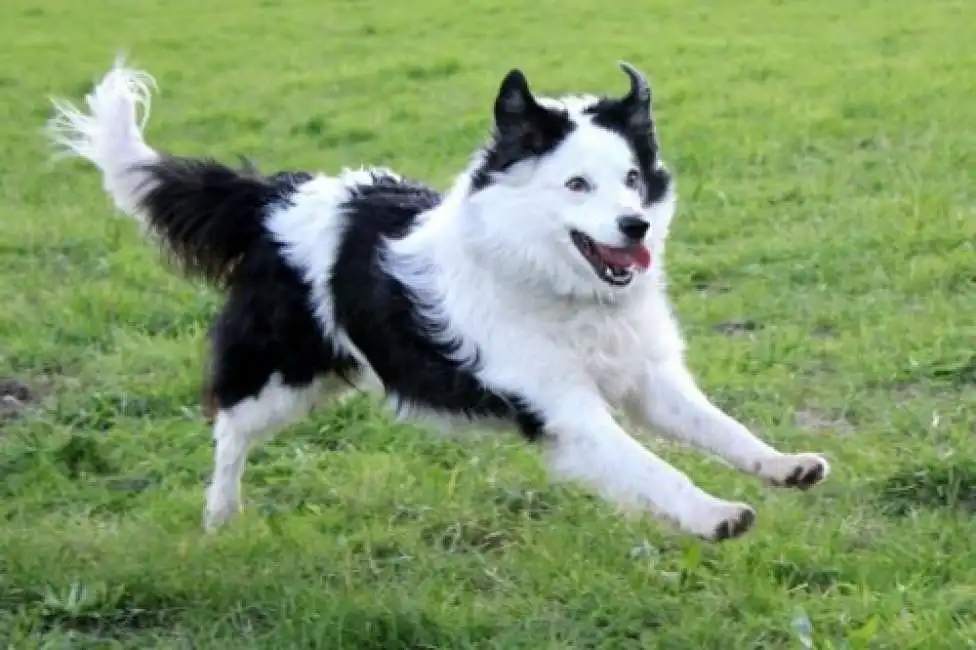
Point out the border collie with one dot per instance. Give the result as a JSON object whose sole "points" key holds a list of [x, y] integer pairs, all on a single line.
{"points": [[531, 293]]}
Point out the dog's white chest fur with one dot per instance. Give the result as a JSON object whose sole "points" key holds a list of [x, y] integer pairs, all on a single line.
{"points": [[608, 344]]}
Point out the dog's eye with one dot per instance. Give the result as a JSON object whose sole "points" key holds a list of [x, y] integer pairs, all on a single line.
{"points": [[633, 179], [578, 184]]}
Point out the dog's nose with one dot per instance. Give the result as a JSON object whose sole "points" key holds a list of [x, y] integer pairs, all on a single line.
{"points": [[633, 226]]}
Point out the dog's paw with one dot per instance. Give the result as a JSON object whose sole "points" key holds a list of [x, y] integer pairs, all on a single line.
{"points": [[801, 471], [218, 511], [723, 520]]}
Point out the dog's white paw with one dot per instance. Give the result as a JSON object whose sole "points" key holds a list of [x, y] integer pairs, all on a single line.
{"points": [[801, 471], [220, 508], [721, 520]]}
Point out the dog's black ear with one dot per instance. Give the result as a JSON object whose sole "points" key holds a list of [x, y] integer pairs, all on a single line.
{"points": [[636, 104], [520, 118], [515, 102]]}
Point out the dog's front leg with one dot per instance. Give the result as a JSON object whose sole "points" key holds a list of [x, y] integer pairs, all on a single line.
{"points": [[584, 443], [671, 402]]}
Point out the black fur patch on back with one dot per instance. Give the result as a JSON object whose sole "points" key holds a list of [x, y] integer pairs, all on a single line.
{"points": [[211, 220], [210, 216], [267, 326], [380, 315], [511, 146], [613, 116]]}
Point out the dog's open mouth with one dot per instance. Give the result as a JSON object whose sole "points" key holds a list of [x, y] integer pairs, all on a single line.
{"points": [[614, 266]]}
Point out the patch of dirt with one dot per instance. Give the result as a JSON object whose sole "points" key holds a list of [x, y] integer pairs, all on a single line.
{"points": [[814, 420], [738, 327], [823, 331], [15, 396]]}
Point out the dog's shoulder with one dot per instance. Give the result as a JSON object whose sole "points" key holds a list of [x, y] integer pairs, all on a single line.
{"points": [[385, 203]]}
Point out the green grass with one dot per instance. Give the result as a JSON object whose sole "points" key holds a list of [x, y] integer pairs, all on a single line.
{"points": [[825, 154]]}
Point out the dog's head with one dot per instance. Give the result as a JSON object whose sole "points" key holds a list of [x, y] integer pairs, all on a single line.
{"points": [[572, 191]]}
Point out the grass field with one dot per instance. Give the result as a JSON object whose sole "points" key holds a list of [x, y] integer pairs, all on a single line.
{"points": [[823, 264]]}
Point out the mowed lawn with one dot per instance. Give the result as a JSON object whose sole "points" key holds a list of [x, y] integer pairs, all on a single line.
{"points": [[823, 264]]}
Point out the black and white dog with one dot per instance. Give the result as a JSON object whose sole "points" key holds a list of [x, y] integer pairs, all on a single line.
{"points": [[531, 293]]}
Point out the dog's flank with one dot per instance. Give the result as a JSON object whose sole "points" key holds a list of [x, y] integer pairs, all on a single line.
{"points": [[530, 293]]}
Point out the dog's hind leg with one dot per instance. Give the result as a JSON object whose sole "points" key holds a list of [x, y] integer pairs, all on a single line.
{"points": [[270, 362], [671, 402], [235, 429]]}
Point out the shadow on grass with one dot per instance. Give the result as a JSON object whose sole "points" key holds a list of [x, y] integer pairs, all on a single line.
{"points": [[102, 411], [948, 485], [94, 614]]}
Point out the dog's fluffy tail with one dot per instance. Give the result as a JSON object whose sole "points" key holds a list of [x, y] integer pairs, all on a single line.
{"points": [[208, 216], [109, 135]]}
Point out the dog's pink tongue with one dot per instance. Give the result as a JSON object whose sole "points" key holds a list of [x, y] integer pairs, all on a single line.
{"points": [[637, 256]]}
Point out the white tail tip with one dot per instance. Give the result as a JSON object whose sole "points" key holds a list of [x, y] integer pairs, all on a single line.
{"points": [[118, 108], [109, 133]]}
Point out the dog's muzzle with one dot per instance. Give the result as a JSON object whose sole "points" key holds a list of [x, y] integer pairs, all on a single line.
{"points": [[615, 266]]}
